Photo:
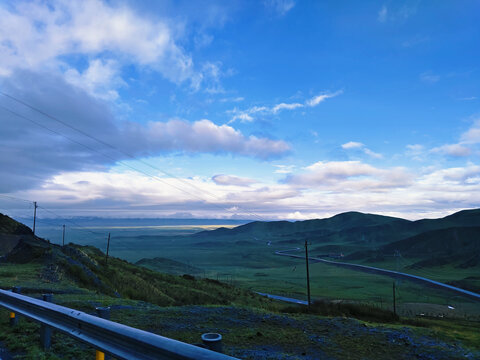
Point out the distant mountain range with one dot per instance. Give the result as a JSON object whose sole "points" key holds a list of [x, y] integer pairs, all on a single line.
{"points": [[359, 236]]}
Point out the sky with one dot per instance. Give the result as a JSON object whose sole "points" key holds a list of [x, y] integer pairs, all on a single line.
{"points": [[275, 109]]}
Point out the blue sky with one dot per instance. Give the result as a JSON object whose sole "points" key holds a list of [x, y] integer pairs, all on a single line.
{"points": [[273, 109]]}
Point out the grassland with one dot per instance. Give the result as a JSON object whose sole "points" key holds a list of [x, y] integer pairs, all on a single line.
{"points": [[218, 298], [253, 265], [252, 326], [245, 256]]}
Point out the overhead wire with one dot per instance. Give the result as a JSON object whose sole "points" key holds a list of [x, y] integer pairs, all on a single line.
{"points": [[123, 153], [78, 226], [15, 198], [110, 157]]}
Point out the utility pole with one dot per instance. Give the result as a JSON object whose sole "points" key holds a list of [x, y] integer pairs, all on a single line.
{"points": [[394, 303], [63, 236], [34, 216], [108, 246], [308, 273]]}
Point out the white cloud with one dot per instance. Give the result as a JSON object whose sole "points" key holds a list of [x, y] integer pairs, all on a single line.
{"points": [[99, 79], [360, 146], [38, 35], [246, 115], [297, 215], [284, 169], [396, 13], [232, 180], [372, 154], [279, 7], [382, 14], [456, 175], [350, 176], [336, 187], [322, 97], [284, 106], [352, 145], [416, 148], [232, 99], [472, 136], [456, 150], [243, 117], [465, 147], [429, 77], [415, 151], [204, 136], [126, 193]]}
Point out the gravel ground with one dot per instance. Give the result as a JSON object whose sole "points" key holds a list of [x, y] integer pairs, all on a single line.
{"points": [[250, 334]]}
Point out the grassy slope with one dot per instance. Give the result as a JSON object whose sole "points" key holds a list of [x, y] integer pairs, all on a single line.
{"points": [[169, 266]]}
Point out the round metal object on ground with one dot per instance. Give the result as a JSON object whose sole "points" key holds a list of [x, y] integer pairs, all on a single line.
{"points": [[212, 341]]}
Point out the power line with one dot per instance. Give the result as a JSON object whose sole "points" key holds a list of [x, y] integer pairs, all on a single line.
{"points": [[108, 157], [71, 222], [79, 236], [103, 142], [15, 198], [77, 226], [121, 152]]}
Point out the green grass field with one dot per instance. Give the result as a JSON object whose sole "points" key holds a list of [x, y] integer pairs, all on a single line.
{"points": [[253, 265]]}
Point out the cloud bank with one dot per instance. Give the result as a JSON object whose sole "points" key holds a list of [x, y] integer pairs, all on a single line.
{"points": [[37, 35], [36, 153]]}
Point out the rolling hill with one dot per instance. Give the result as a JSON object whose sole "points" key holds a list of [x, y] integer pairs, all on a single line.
{"points": [[351, 232]]}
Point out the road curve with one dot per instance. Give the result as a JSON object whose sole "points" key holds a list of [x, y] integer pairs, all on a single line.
{"points": [[390, 273], [283, 298]]}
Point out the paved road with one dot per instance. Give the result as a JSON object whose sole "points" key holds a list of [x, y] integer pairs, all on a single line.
{"points": [[283, 298], [390, 273]]}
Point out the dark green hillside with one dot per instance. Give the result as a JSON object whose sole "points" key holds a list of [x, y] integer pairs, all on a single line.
{"points": [[260, 229], [456, 245], [12, 227], [439, 247], [461, 218], [11, 232], [349, 226], [168, 266], [349, 232], [455, 240]]}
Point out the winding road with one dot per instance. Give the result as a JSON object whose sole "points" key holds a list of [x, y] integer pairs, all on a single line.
{"points": [[390, 273], [282, 298]]}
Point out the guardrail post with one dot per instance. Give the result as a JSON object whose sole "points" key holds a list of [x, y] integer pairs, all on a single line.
{"points": [[13, 317], [104, 313], [45, 330]]}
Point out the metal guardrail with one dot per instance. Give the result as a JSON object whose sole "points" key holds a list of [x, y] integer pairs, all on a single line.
{"points": [[121, 341]]}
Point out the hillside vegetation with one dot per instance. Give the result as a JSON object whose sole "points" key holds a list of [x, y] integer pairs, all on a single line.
{"points": [[86, 267]]}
